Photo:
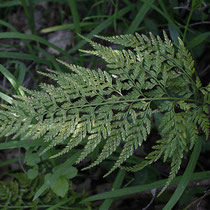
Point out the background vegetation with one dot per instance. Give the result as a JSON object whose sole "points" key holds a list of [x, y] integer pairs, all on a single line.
{"points": [[33, 34]]}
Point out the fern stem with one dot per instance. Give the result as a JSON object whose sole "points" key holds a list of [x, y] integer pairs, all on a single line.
{"points": [[137, 100], [186, 27]]}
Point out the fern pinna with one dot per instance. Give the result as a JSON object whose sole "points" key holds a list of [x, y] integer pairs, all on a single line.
{"points": [[149, 77]]}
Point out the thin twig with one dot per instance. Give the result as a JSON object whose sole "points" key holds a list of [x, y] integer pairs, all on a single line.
{"points": [[200, 23]]}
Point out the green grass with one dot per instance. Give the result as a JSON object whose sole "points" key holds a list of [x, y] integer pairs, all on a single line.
{"points": [[116, 185], [141, 188]]}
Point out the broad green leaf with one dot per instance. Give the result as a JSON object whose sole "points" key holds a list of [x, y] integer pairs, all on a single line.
{"points": [[53, 177], [60, 186], [31, 158], [68, 173], [32, 173]]}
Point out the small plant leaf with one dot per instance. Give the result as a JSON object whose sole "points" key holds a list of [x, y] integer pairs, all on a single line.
{"points": [[60, 186]]}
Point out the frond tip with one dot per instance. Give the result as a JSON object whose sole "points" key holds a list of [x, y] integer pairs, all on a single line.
{"points": [[114, 110]]}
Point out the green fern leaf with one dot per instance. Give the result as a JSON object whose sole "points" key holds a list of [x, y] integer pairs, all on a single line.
{"points": [[114, 109]]}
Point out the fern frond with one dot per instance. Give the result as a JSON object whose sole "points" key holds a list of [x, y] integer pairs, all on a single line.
{"points": [[114, 109]]}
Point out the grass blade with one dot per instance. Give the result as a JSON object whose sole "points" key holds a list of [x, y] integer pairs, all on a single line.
{"points": [[49, 57], [142, 188], [60, 204], [19, 144], [11, 79], [14, 30], [69, 27], [75, 15], [10, 4], [198, 40], [187, 25], [21, 68], [16, 35], [139, 17], [29, 14], [117, 183], [101, 27], [6, 98], [24, 56], [4, 23], [165, 15]]}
